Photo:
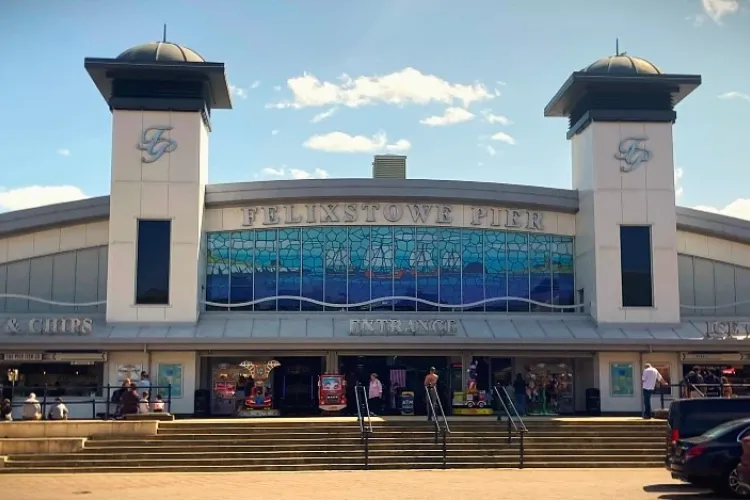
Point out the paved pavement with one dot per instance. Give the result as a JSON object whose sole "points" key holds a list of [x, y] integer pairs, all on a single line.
{"points": [[548, 484]]}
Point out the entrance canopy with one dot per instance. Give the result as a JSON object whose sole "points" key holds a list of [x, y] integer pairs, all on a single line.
{"points": [[369, 331]]}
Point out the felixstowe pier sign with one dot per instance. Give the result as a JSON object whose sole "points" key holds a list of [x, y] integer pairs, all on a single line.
{"points": [[372, 213]]}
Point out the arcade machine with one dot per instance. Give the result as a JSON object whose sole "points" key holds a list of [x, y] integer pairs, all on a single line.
{"points": [[331, 393], [469, 400], [259, 401]]}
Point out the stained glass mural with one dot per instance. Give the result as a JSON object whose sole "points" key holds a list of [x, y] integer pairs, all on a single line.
{"points": [[339, 266]]}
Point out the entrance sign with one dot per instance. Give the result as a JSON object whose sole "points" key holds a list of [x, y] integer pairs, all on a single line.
{"points": [[49, 326], [727, 330], [398, 327], [632, 153], [154, 144], [375, 213]]}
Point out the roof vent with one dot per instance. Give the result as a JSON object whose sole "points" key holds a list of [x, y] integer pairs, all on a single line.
{"points": [[389, 167]]}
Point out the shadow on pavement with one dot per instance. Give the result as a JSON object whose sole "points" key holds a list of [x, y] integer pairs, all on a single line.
{"points": [[681, 492]]}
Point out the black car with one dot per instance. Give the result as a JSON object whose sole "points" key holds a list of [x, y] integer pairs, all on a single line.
{"points": [[692, 417], [710, 460]]}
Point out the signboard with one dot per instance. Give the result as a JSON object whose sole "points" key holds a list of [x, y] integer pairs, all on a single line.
{"points": [[438, 327], [727, 330], [49, 326], [22, 356], [372, 213]]}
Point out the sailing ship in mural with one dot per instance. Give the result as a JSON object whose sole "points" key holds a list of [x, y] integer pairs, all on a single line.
{"points": [[338, 261], [421, 262], [379, 262]]}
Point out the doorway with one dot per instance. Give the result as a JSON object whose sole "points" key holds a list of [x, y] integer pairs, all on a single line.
{"points": [[397, 374], [295, 385]]}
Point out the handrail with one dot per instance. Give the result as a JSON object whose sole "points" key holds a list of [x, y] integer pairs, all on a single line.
{"points": [[365, 426], [502, 395], [440, 430]]}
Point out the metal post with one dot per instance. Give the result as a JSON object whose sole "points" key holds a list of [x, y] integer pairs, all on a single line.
{"points": [[510, 437], [93, 406], [367, 451], [44, 402], [445, 449], [169, 398], [521, 451]]}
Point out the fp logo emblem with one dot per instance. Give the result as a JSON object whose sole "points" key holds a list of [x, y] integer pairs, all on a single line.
{"points": [[632, 153], [154, 144]]}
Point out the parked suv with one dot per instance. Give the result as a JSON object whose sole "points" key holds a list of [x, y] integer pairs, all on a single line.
{"points": [[692, 417]]}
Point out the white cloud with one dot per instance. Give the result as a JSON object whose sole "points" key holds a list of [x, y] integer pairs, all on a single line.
{"points": [[739, 208], [490, 150], [63, 152], [277, 88], [735, 95], [36, 196], [340, 142], [324, 115], [698, 20], [451, 116], [294, 173], [237, 91], [407, 86], [255, 84], [717, 9], [489, 117], [275, 131], [503, 137], [678, 172]]}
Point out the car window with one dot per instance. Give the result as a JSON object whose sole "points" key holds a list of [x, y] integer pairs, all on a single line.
{"points": [[721, 430], [745, 433]]}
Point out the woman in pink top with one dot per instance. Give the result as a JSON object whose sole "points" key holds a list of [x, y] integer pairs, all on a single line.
{"points": [[375, 395]]}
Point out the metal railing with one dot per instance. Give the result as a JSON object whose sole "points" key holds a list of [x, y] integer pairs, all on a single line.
{"points": [[689, 390], [510, 411], [46, 397], [435, 412], [364, 420]]}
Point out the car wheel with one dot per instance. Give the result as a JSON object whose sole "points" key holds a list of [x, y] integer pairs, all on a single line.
{"points": [[732, 486]]}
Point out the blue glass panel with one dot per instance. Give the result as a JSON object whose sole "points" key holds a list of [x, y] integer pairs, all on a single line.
{"points": [[540, 279], [472, 278], [404, 273], [359, 279], [450, 266], [563, 281], [496, 270], [336, 265], [380, 266], [266, 266], [426, 266], [518, 270], [313, 269], [290, 279], [217, 268], [242, 259]]}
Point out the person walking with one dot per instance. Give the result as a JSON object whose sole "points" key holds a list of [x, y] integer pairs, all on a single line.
{"points": [[649, 379], [375, 395], [430, 383]]}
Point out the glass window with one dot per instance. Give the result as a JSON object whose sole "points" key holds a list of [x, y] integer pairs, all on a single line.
{"points": [[59, 379], [380, 267], [359, 277], [472, 276], [217, 269], [336, 266], [540, 275], [636, 266], [518, 270], [290, 278], [426, 268], [348, 267], [405, 257], [313, 268], [242, 268], [450, 268], [152, 262], [266, 268]]}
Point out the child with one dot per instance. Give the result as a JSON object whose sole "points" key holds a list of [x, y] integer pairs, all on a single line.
{"points": [[143, 406], [158, 404]]}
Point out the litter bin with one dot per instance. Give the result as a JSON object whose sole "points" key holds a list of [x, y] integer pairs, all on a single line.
{"points": [[202, 403], [593, 401]]}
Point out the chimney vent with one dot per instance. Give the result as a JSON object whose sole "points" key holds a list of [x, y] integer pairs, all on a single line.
{"points": [[389, 167]]}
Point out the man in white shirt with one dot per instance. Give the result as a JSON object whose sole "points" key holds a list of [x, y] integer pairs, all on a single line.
{"points": [[649, 379], [374, 394]]}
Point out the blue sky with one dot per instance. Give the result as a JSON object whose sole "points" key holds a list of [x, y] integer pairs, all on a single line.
{"points": [[487, 68]]}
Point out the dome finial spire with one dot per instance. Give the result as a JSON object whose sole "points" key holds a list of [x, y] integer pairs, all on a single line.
{"points": [[164, 35], [617, 46]]}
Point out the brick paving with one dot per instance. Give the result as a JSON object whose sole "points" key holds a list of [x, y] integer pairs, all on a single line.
{"points": [[547, 484]]}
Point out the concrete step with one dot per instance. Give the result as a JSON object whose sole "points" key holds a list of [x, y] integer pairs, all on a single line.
{"points": [[251, 429], [630, 464], [312, 457], [420, 457]]}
